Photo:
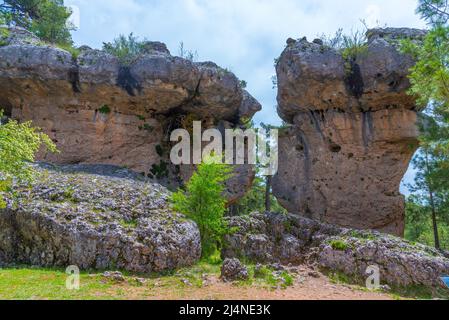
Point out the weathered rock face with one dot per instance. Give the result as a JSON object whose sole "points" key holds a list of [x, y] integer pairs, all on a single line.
{"points": [[353, 132], [96, 216], [98, 110], [292, 239], [233, 269]]}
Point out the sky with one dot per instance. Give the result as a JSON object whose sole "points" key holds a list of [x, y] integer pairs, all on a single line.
{"points": [[244, 36]]}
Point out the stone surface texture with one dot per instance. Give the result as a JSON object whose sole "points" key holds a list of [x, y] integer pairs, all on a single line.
{"points": [[352, 131]]}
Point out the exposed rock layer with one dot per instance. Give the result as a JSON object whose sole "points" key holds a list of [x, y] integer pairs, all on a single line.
{"points": [[99, 110], [292, 239], [101, 217], [353, 131]]}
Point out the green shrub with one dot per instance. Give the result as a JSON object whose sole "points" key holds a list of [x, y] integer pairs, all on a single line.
{"points": [[4, 34], [75, 52], [203, 202], [19, 143], [104, 109], [351, 46]]}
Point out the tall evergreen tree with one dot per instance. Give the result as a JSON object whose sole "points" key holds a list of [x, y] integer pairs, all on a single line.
{"points": [[48, 19]]}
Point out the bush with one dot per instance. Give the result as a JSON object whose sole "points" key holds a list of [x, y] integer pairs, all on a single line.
{"points": [[126, 49], [203, 202], [19, 143], [339, 245]]}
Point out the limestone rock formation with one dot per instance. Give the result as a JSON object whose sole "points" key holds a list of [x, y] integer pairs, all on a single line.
{"points": [[353, 131], [95, 216], [233, 270], [292, 239], [98, 110]]}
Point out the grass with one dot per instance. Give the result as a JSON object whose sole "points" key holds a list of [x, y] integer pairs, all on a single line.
{"points": [[29, 283], [104, 109], [398, 293]]}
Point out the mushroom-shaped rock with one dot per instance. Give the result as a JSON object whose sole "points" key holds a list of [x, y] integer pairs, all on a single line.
{"points": [[353, 131]]}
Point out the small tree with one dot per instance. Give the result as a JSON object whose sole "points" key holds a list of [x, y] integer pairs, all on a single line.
{"points": [[48, 19], [203, 202], [19, 143]]}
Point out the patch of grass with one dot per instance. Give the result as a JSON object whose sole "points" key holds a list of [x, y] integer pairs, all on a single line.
{"points": [[75, 52], [339, 245], [419, 292]]}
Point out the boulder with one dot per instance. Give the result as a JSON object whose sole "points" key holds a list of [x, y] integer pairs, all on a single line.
{"points": [[95, 217], [233, 270], [353, 131], [292, 239]]}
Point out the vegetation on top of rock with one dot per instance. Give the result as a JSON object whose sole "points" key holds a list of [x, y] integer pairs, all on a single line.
{"points": [[428, 207], [203, 202], [351, 45], [105, 109]]}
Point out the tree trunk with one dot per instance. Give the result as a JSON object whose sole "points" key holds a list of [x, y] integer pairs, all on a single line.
{"points": [[434, 212], [268, 194]]}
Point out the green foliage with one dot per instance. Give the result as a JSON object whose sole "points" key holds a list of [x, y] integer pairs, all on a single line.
{"points": [[126, 48], [4, 34], [339, 245], [351, 45], [19, 143], [187, 54], [436, 12], [243, 84], [254, 200], [203, 202], [160, 171], [430, 75], [282, 279], [159, 150], [428, 207], [419, 227], [104, 109], [48, 19], [75, 52]]}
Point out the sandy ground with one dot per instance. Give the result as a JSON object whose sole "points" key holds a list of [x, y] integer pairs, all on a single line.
{"points": [[305, 288]]}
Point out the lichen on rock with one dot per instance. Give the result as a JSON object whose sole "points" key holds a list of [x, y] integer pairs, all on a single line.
{"points": [[95, 216]]}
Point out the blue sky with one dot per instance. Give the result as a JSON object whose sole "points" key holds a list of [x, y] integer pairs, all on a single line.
{"points": [[244, 36]]}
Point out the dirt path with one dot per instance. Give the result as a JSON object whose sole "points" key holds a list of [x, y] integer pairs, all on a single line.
{"points": [[305, 287]]}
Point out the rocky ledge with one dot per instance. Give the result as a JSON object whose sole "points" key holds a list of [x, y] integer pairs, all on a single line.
{"points": [[101, 217], [291, 239]]}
